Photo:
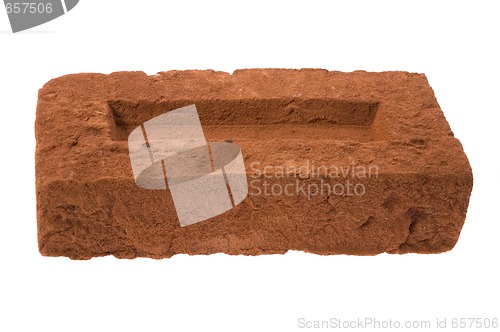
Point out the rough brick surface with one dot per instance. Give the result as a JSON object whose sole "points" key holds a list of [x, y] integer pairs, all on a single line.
{"points": [[88, 204]]}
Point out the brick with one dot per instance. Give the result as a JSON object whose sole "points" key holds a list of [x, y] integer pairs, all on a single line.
{"points": [[312, 129]]}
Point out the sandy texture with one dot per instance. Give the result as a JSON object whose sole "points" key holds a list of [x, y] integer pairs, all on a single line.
{"points": [[88, 204]]}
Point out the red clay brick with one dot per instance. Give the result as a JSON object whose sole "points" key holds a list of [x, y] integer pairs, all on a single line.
{"points": [[88, 204]]}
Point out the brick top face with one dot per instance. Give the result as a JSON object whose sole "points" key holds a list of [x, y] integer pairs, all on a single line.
{"points": [[392, 118]]}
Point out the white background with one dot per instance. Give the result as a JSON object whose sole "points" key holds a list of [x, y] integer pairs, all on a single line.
{"points": [[454, 43]]}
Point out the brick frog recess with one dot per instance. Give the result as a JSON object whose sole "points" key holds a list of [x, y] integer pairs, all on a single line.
{"points": [[336, 163]]}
